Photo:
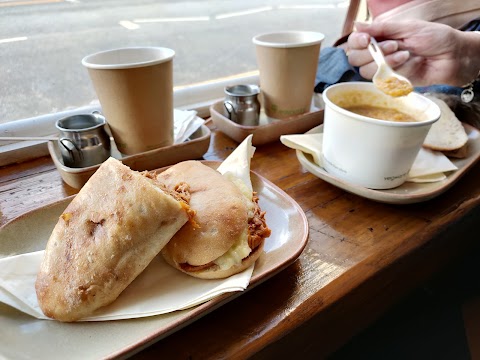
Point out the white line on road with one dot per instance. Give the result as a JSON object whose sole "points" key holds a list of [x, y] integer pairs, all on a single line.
{"points": [[343, 4], [178, 19], [245, 12], [315, 6], [232, 14], [26, 2], [21, 38], [129, 25]]}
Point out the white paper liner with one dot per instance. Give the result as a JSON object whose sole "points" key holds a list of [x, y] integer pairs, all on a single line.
{"points": [[429, 166], [159, 289]]}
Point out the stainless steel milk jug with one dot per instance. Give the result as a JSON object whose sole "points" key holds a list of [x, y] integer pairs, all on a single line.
{"points": [[242, 105], [83, 140]]}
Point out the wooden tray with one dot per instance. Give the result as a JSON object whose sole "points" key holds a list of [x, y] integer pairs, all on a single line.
{"points": [[192, 149], [22, 336], [408, 192], [269, 130]]}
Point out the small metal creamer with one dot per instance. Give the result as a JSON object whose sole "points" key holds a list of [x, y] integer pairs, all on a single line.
{"points": [[83, 140], [242, 104]]}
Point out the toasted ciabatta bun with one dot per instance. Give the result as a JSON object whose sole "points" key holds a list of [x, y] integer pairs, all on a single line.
{"points": [[448, 133], [460, 153], [229, 229], [108, 234]]}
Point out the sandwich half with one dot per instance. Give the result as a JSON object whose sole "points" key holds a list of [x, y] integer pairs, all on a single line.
{"points": [[229, 228], [108, 234]]}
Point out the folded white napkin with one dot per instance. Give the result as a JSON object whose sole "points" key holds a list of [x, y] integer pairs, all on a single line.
{"points": [[185, 123], [159, 289], [429, 166]]}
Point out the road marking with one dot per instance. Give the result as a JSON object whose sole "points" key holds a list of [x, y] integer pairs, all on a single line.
{"points": [[245, 12], [234, 14], [343, 4], [21, 38], [28, 2], [177, 19], [129, 25], [213, 81], [315, 6]]}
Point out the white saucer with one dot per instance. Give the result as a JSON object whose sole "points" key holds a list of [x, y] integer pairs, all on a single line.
{"points": [[409, 192]]}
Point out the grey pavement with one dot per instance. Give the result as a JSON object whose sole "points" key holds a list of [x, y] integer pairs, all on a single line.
{"points": [[42, 42]]}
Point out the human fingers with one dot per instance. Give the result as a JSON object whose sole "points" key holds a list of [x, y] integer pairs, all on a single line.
{"points": [[401, 30], [358, 40], [411, 69], [363, 57], [383, 30], [395, 60], [398, 58], [367, 71]]}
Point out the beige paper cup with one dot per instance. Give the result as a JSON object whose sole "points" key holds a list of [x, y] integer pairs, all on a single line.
{"points": [[135, 89], [287, 62]]}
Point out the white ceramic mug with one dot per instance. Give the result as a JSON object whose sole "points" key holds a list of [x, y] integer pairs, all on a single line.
{"points": [[373, 153]]}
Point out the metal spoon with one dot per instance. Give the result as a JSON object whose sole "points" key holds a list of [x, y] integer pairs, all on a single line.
{"points": [[385, 78]]}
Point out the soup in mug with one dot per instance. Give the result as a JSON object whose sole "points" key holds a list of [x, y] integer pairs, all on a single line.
{"points": [[381, 113], [378, 106]]}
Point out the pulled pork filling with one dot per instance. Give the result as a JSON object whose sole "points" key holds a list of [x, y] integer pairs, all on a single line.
{"points": [[257, 232], [181, 193], [257, 226]]}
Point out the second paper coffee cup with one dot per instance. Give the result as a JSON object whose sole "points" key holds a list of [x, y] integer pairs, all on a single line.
{"points": [[287, 62]]}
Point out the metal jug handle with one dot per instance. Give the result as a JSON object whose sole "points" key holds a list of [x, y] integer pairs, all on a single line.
{"points": [[98, 114], [71, 148], [232, 109]]}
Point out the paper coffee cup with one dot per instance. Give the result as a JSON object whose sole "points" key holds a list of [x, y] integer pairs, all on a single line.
{"points": [[287, 62], [135, 90]]}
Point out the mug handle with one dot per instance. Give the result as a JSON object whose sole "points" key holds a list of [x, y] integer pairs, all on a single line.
{"points": [[71, 148], [232, 109]]}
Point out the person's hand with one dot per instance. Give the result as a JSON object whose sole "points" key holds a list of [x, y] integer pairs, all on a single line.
{"points": [[426, 53]]}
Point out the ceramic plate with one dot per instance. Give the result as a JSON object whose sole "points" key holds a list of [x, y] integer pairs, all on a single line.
{"points": [[409, 192], [24, 337]]}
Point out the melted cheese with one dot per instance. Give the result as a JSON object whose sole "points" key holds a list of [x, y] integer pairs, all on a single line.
{"points": [[240, 249], [246, 192], [235, 254]]}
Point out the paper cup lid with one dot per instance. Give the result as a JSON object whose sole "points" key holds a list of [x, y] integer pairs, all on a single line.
{"points": [[288, 39], [126, 58]]}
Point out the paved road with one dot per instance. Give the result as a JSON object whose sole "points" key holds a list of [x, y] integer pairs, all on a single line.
{"points": [[42, 42]]}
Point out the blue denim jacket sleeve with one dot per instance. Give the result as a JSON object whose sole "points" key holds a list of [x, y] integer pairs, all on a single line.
{"points": [[333, 67]]}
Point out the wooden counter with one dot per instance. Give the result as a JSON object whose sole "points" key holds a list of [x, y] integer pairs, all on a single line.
{"points": [[361, 258]]}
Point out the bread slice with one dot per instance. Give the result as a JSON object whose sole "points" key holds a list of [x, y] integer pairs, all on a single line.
{"points": [[448, 133], [221, 214], [108, 234], [460, 153], [231, 228]]}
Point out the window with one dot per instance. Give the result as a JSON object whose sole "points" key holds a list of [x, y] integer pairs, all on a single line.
{"points": [[43, 42]]}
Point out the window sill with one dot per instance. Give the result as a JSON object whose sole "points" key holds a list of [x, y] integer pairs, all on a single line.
{"points": [[197, 97]]}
